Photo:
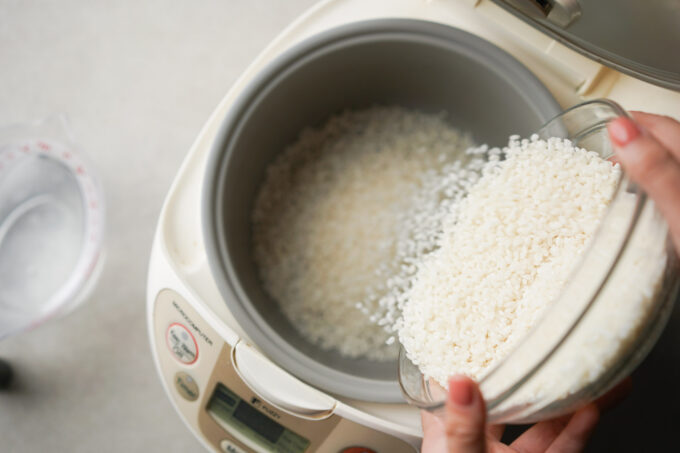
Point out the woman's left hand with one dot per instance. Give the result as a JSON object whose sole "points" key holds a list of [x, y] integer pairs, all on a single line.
{"points": [[464, 429]]}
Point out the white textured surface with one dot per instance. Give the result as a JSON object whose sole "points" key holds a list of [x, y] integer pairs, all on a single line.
{"points": [[137, 80]]}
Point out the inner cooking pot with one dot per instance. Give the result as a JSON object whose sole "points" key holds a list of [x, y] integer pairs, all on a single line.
{"points": [[409, 63]]}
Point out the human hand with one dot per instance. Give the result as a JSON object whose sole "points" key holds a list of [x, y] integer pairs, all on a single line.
{"points": [[649, 151], [464, 429]]}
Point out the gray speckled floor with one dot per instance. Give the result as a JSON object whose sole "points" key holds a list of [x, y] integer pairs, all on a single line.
{"points": [[138, 80]]}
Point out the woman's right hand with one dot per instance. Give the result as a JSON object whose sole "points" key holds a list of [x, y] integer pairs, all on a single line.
{"points": [[649, 151]]}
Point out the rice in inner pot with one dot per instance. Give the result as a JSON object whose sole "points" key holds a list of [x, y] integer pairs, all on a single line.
{"points": [[331, 221]]}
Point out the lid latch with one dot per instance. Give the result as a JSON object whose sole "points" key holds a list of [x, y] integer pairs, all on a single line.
{"points": [[559, 12]]}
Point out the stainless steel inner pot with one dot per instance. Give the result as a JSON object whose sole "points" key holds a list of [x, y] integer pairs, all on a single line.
{"points": [[410, 63]]}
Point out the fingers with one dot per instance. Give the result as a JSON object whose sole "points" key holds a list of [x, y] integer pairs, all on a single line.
{"points": [[540, 436], [495, 432], [652, 166], [431, 423], [665, 129], [465, 423], [434, 440], [575, 435], [615, 395]]}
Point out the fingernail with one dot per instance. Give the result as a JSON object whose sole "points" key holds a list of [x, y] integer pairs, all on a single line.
{"points": [[461, 390], [622, 131]]}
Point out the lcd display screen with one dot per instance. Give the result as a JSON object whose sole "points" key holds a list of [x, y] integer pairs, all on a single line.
{"points": [[237, 415]]}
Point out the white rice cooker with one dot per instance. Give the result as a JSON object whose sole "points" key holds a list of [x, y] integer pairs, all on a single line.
{"points": [[238, 381]]}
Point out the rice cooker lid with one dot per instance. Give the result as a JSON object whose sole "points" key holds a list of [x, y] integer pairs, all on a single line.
{"points": [[639, 38]]}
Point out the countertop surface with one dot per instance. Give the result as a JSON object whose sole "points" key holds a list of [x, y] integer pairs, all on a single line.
{"points": [[137, 81]]}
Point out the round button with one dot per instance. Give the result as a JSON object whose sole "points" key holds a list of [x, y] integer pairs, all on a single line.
{"points": [[357, 450], [182, 344], [228, 446], [186, 386]]}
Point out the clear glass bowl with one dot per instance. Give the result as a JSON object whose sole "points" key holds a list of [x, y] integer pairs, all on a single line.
{"points": [[606, 318]]}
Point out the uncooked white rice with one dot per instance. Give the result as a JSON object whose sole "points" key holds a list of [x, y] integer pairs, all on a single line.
{"points": [[332, 220], [505, 253]]}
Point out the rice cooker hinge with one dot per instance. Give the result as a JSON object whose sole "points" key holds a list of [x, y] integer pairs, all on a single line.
{"points": [[587, 77]]}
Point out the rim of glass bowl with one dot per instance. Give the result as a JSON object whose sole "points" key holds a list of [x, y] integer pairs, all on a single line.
{"points": [[613, 110]]}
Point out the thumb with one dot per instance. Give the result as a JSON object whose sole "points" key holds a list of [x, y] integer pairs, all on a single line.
{"points": [[650, 165], [465, 421]]}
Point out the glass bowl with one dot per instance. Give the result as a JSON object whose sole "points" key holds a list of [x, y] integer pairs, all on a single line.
{"points": [[607, 317]]}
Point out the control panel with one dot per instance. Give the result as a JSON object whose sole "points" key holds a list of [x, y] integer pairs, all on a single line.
{"points": [[202, 378]]}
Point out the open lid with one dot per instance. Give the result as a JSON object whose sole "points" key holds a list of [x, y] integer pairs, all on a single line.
{"points": [[639, 38]]}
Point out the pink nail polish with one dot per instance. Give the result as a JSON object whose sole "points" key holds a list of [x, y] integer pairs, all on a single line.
{"points": [[461, 390], [622, 131]]}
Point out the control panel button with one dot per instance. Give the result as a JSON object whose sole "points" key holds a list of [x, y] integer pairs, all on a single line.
{"points": [[182, 344], [357, 450], [186, 386], [228, 446]]}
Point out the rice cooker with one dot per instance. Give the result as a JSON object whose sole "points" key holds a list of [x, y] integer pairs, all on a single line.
{"points": [[235, 369]]}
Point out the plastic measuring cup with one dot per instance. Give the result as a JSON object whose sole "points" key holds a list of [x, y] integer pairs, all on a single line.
{"points": [[51, 228]]}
